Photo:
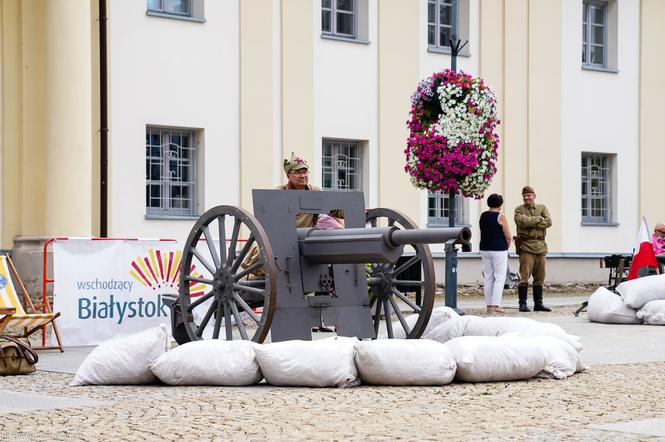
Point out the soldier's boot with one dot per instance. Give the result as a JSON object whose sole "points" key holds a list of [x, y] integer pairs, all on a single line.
{"points": [[538, 300], [522, 293]]}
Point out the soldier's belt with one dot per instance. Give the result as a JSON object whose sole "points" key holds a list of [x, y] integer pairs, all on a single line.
{"points": [[532, 238]]}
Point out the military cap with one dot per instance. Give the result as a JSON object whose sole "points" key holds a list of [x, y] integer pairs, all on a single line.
{"points": [[295, 163], [527, 189]]}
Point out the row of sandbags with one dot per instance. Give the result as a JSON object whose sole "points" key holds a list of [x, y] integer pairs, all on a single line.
{"points": [[342, 362], [640, 300]]}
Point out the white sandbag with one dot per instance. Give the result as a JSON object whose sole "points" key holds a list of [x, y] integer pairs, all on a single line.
{"points": [[478, 326], [439, 316], [607, 307], [125, 360], [451, 329], [324, 363], [653, 312], [404, 362], [637, 292], [496, 358], [561, 359], [209, 362]]}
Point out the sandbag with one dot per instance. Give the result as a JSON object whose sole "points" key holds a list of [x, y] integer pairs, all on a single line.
{"points": [[439, 316], [478, 326], [637, 292], [451, 329], [404, 362], [324, 363], [496, 358], [209, 362], [124, 361], [561, 359], [607, 307], [653, 312]]}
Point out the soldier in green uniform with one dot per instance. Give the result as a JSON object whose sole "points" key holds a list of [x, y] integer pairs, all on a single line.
{"points": [[297, 175], [532, 221]]}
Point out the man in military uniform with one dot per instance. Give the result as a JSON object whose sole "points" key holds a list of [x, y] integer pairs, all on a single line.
{"points": [[532, 221], [297, 175]]}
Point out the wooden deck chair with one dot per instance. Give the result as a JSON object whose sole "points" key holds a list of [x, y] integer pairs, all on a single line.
{"points": [[30, 319]]}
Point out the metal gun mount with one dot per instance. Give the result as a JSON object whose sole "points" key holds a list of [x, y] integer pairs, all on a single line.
{"points": [[286, 280]]}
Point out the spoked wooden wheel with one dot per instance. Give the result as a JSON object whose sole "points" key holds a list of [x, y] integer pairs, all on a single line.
{"points": [[392, 289], [221, 289]]}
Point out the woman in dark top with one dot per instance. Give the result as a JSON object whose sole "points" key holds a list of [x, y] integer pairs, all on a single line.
{"points": [[494, 242]]}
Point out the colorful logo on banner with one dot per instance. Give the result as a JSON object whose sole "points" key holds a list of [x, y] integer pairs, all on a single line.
{"points": [[3, 282], [160, 270]]}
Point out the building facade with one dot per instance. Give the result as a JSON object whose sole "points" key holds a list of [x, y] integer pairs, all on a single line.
{"points": [[207, 97]]}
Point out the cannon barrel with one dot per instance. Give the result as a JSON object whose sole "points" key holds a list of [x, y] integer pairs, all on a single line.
{"points": [[460, 235], [363, 245]]}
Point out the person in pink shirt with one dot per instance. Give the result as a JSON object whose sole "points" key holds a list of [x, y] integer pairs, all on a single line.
{"points": [[658, 239]]}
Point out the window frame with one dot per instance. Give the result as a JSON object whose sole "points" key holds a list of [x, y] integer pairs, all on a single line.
{"points": [[333, 20], [437, 24], [334, 166], [161, 10], [587, 6], [439, 207], [165, 182], [604, 196]]}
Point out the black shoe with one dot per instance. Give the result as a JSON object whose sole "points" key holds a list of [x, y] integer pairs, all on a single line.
{"points": [[538, 300], [521, 293]]}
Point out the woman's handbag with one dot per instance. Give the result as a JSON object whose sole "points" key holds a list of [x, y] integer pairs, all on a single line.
{"points": [[518, 243], [16, 357]]}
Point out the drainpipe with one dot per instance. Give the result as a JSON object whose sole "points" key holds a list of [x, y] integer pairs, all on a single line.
{"points": [[103, 121]]}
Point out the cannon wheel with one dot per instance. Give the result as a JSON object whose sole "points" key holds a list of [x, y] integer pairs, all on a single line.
{"points": [[384, 279], [229, 281]]}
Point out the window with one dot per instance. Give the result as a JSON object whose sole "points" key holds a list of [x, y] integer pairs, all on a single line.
{"points": [[594, 33], [439, 25], [175, 7], [342, 165], [596, 187], [170, 168], [338, 18], [438, 209]]}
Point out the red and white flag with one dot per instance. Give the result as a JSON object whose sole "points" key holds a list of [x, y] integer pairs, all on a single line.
{"points": [[644, 257]]}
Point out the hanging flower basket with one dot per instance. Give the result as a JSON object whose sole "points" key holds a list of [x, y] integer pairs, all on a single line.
{"points": [[452, 144]]}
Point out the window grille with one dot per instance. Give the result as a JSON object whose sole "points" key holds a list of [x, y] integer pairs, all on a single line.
{"points": [[342, 165], [338, 17], [438, 209], [170, 172], [175, 7], [594, 33], [596, 188], [439, 23]]}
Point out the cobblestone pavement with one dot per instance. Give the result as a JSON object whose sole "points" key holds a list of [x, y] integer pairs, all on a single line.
{"points": [[530, 410]]}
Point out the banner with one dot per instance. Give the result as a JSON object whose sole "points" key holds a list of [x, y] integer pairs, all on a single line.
{"points": [[109, 288]]}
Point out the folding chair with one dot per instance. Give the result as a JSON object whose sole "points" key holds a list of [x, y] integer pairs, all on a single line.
{"points": [[12, 313]]}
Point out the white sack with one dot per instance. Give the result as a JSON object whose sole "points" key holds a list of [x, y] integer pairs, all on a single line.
{"points": [[453, 328], [607, 307], [496, 358], [562, 360], [324, 363], [653, 312], [209, 362], [478, 326], [124, 361], [439, 316], [637, 292], [404, 362]]}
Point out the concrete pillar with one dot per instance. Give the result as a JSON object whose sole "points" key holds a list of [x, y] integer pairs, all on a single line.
{"points": [[69, 102]]}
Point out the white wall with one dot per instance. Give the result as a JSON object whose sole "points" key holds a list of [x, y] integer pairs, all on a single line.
{"points": [[172, 73], [345, 95], [600, 111]]}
